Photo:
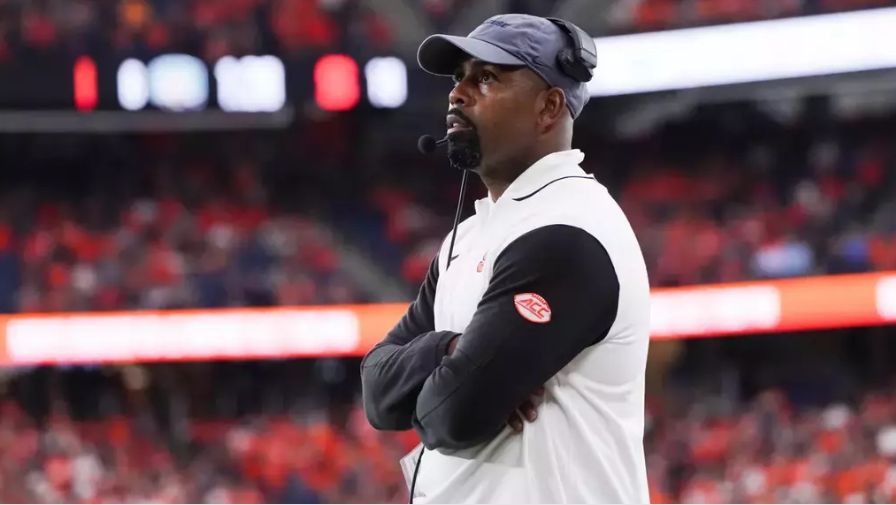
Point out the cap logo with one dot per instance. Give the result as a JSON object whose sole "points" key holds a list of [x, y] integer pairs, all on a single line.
{"points": [[532, 307], [496, 22]]}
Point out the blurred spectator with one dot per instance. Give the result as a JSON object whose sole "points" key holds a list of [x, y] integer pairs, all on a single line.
{"points": [[788, 257]]}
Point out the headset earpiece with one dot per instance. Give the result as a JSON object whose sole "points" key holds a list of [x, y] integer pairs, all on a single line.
{"points": [[580, 61]]}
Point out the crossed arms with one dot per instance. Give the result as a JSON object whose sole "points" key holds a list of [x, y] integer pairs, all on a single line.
{"points": [[461, 399]]}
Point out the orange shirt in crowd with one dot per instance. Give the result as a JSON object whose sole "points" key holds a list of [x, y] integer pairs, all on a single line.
{"points": [[58, 471], [882, 252]]}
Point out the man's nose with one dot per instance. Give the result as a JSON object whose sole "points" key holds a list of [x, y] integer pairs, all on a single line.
{"points": [[460, 95]]}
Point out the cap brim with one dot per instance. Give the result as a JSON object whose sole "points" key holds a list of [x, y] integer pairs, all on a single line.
{"points": [[442, 54]]}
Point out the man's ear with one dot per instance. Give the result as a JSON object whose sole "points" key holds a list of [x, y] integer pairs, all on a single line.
{"points": [[553, 107]]}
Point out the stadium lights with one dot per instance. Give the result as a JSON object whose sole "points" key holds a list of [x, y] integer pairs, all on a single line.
{"points": [[133, 85], [174, 82], [85, 84], [745, 52], [336, 86], [178, 82], [251, 84], [387, 82], [885, 298]]}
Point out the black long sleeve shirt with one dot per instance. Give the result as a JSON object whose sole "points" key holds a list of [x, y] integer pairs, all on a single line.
{"points": [[393, 372], [506, 351]]}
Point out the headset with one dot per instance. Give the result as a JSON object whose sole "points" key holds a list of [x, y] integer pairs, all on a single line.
{"points": [[580, 61]]}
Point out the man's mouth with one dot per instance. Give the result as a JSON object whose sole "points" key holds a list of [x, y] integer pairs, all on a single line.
{"points": [[456, 124]]}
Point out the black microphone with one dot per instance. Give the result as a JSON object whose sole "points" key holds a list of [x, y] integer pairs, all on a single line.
{"points": [[427, 144]]}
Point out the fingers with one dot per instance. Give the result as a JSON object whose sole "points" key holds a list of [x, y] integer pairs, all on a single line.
{"points": [[515, 422], [528, 408], [526, 411]]}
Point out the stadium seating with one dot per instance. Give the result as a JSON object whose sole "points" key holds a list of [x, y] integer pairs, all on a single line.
{"points": [[711, 451]]}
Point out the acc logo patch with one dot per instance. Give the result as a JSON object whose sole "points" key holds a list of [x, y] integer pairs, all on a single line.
{"points": [[532, 307]]}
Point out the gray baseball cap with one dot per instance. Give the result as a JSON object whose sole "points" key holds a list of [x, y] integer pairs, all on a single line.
{"points": [[513, 40]]}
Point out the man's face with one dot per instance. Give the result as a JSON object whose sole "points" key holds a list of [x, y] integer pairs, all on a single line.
{"points": [[491, 115]]}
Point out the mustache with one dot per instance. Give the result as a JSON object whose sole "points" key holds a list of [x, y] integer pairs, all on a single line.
{"points": [[459, 113]]}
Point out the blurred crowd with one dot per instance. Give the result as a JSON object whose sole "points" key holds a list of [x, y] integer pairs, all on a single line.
{"points": [[245, 219], [206, 28], [263, 220], [741, 219], [271, 459], [193, 433], [214, 28], [160, 256], [769, 452], [174, 229], [143, 445]]}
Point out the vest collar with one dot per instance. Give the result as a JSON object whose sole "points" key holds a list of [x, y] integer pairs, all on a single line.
{"points": [[551, 167]]}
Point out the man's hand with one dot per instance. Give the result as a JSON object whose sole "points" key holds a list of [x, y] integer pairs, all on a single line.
{"points": [[452, 345], [527, 409]]}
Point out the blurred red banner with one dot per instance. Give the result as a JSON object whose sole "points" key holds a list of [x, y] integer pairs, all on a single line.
{"points": [[193, 335]]}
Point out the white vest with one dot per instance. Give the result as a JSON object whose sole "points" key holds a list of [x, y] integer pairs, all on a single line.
{"points": [[587, 444]]}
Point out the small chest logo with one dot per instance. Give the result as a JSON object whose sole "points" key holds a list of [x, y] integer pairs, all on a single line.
{"points": [[481, 264], [532, 307]]}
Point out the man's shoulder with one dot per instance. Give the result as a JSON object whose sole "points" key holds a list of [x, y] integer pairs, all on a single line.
{"points": [[588, 207], [591, 211], [571, 198]]}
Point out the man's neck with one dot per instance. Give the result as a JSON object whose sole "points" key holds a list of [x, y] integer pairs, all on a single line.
{"points": [[498, 185], [504, 176]]}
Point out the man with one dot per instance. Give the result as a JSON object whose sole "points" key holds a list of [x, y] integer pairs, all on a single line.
{"points": [[521, 366]]}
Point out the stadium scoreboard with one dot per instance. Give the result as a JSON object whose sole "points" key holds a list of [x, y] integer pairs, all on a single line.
{"points": [[185, 83], [639, 63]]}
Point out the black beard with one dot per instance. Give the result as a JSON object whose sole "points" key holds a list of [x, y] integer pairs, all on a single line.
{"points": [[464, 152]]}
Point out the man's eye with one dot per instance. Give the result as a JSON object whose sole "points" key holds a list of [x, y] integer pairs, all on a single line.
{"points": [[487, 77]]}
